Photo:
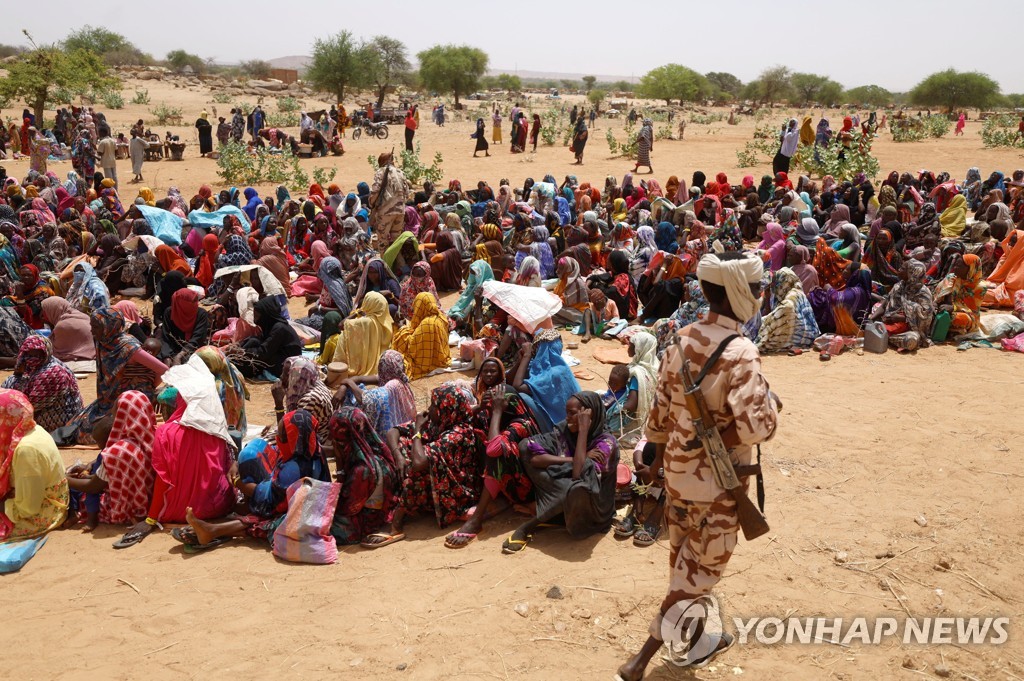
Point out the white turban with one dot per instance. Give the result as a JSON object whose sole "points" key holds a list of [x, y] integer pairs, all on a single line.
{"points": [[735, 276]]}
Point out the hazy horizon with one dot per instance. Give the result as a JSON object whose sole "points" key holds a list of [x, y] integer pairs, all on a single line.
{"points": [[906, 40]]}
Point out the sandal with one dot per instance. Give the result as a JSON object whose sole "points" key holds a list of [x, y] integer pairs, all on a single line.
{"points": [[626, 528], [388, 539], [131, 538], [186, 535], [646, 535], [512, 545], [726, 639], [198, 548], [468, 536]]}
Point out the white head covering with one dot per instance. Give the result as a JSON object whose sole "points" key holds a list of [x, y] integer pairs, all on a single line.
{"points": [[736, 276]]}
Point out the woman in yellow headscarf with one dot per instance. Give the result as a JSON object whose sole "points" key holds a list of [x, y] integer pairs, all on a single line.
{"points": [[146, 194], [806, 132], [365, 336], [424, 341], [954, 218], [619, 210]]}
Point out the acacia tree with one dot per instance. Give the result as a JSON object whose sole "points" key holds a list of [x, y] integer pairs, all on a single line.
{"points": [[589, 82], [954, 90], [595, 97], [725, 83], [508, 82], [452, 68], [672, 81], [38, 72], [179, 59], [384, 64], [335, 64], [810, 88], [114, 48], [870, 95], [771, 86]]}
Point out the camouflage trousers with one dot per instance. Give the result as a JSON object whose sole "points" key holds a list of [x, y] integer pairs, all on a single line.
{"points": [[702, 536], [388, 227]]}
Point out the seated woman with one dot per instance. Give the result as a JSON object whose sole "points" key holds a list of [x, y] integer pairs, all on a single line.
{"points": [[231, 389], [440, 454], [446, 263], [528, 273], [909, 309], [479, 272], [47, 383], [121, 365], [621, 288], [542, 375], [791, 322], [798, 259], [191, 467], [573, 473], [424, 340], [632, 399], [830, 266], [365, 336], [13, 332], [961, 293], [884, 261], [572, 289], [118, 485], [87, 291], [419, 281], [186, 326], [30, 293], [138, 326], [266, 353], [1008, 276], [302, 387], [371, 482], [262, 475], [504, 420], [661, 287], [391, 403], [843, 312], [33, 487], [309, 283]]}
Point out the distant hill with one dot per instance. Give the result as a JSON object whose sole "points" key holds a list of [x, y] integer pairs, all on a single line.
{"points": [[297, 62]]}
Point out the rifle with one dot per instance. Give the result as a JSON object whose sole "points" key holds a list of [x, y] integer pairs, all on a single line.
{"points": [[384, 180], [727, 475]]}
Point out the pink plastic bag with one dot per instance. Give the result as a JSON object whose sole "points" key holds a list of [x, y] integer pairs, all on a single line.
{"points": [[305, 534], [1015, 344]]}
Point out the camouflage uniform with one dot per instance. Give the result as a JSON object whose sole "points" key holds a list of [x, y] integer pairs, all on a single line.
{"points": [[701, 515], [388, 213]]}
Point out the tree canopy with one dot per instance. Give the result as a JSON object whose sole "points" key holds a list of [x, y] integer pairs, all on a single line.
{"points": [[810, 88], [385, 63], [452, 68], [179, 59], [112, 47], [728, 85], [954, 90], [771, 86], [595, 97], [871, 95], [508, 82], [256, 68], [672, 81], [335, 65], [589, 82], [37, 73]]}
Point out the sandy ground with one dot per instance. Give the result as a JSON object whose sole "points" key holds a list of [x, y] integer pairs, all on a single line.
{"points": [[874, 454]]}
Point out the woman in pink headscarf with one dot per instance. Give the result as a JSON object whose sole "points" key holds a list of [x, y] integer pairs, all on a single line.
{"points": [[774, 244], [310, 284]]}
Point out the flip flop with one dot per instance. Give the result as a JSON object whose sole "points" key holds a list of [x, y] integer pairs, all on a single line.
{"points": [[186, 535], [459, 535], [625, 529], [199, 548], [388, 540], [719, 649], [646, 536], [511, 545], [130, 538]]}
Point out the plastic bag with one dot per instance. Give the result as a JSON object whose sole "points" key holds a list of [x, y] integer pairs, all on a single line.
{"points": [[305, 534]]}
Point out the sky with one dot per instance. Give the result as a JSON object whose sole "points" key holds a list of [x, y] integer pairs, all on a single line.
{"points": [[892, 43]]}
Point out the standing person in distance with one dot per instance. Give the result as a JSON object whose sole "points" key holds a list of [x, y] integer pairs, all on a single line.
{"points": [[481, 139], [106, 151], [788, 141], [411, 123]]}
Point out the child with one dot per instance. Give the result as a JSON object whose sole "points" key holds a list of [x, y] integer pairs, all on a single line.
{"points": [[649, 521], [620, 400], [601, 313], [87, 484]]}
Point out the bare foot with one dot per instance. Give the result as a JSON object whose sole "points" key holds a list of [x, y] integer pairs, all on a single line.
{"points": [[587, 338], [204, 531], [628, 672], [91, 524]]}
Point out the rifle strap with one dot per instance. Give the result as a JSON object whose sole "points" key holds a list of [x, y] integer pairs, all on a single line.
{"points": [[760, 482], [713, 359]]}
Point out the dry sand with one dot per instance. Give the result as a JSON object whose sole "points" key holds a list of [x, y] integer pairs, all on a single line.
{"points": [[866, 446]]}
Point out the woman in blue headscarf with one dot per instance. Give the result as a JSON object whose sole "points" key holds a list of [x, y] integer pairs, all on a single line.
{"points": [[88, 292], [479, 272], [563, 210], [542, 376], [252, 202], [667, 237], [541, 249]]}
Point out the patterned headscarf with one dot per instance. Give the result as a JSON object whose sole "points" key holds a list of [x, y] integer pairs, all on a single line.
{"points": [[16, 421]]}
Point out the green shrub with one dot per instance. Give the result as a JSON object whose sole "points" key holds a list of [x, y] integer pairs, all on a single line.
{"points": [[237, 166], [221, 98], [288, 105], [165, 114], [141, 97], [111, 99], [1001, 131], [414, 169], [627, 149], [917, 129], [324, 176]]}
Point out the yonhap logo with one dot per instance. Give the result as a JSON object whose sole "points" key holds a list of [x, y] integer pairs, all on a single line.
{"points": [[691, 630]]}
